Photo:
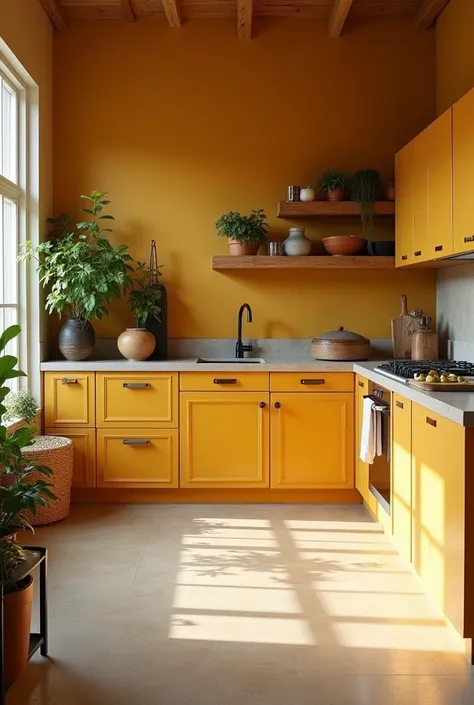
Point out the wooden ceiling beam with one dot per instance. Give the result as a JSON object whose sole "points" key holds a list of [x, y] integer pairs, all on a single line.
{"points": [[338, 17], [428, 12], [172, 13], [244, 19], [128, 11], [55, 12]]}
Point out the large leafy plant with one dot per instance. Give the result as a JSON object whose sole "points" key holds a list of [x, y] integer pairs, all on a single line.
{"points": [[243, 228], [144, 299], [79, 265]]}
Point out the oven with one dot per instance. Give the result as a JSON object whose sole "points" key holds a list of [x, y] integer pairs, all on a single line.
{"points": [[380, 469]]}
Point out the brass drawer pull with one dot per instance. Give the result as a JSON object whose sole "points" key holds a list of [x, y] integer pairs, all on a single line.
{"points": [[65, 380], [135, 442], [400, 404], [469, 239], [417, 253], [312, 381], [135, 385], [432, 422], [404, 257], [361, 384], [439, 248], [217, 380]]}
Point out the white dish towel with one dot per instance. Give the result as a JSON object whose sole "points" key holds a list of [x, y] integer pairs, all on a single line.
{"points": [[369, 437]]}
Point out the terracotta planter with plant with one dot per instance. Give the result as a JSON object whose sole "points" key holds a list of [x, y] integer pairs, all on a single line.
{"points": [[333, 183], [245, 232], [24, 486]]}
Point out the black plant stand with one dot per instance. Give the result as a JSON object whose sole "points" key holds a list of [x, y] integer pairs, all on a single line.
{"points": [[35, 556]]}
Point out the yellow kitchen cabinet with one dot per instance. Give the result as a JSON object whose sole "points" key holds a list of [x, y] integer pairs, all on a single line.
{"points": [[311, 382], [463, 173], [83, 441], [401, 490], [137, 400], [312, 440], [421, 150], [69, 399], [224, 439], [137, 458], [440, 196], [361, 468], [404, 205]]}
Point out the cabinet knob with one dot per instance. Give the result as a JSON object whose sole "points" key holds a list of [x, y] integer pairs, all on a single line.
{"points": [[431, 422], [277, 405], [262, 404], [399, 404]]}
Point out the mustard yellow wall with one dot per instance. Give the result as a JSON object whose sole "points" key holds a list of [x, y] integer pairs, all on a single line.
{"points": [[182, 125], [454, 52]]}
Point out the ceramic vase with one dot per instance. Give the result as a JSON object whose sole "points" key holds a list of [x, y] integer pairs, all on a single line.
{"points": [[136, 344], [297, 244], [76, 339], [307, 194]]}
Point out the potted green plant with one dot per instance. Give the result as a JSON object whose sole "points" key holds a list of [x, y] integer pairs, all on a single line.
{"points": [[144, 301], [333, 182], [365, 190], [19, 496], [83, 271], [21, 405], [245, 232]]}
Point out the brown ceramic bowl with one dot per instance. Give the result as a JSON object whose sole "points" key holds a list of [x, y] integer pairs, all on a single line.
{"points": [[343, 245]]}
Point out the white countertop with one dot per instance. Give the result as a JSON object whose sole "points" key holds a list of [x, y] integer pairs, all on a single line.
{"points": [[455, 406]]}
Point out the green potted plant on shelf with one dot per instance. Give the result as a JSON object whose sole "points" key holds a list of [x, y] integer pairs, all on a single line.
{"points": [[245, 232], [83, 272], [145, 303], [24, 486], [365, 190], [334, 183]]}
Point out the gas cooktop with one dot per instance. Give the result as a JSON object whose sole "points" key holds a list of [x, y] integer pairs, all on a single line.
{"points": [[403, 370]]}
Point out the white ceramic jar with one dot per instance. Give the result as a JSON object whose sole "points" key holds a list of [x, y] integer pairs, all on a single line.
{"points": [[297, 244], [307, 194]]}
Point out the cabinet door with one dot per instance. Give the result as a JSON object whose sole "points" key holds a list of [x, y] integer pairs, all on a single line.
{"points": [[438, 510], [404, 205], [83, 441], [312, 440], [463, 173], [401, 491], [144, 458], [362, 469], [420, 196], [69, 399], [440, 196], [224, 439]]}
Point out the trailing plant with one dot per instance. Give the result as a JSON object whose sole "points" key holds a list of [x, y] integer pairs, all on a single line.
{"points": [[79, 265], [144, 299], [21, 405], [332, 180], [365, 189], [243, 228]]}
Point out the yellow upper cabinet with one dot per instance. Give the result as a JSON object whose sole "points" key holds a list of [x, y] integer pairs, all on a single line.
{"points": [[463, 173], [419, 183], [69, 399], [404, 205], [401, 505], [440, 195], [137, 400], [312, 441]]}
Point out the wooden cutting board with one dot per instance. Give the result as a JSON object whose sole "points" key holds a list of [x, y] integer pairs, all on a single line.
{"points": [[402, 327], [443, 386]]}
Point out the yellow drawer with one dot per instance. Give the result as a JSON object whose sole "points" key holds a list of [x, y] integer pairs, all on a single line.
{"points": [[312, 382], [137, 458], [69, 399], [224, 381], [137, 400], [83, 441]]}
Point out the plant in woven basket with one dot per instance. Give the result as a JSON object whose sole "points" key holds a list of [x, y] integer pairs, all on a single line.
{"points": [[365, 189], [21, 405]]}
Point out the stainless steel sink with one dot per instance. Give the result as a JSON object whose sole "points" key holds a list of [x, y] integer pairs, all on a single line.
{"points": [[230, 360]]}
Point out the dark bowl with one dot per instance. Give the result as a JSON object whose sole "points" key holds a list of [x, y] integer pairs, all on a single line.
{"points": [[383, 248]]}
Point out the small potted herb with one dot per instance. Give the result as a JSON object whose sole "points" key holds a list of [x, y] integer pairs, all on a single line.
{"points": [[145, 302], [245, 232], [333, 182]]}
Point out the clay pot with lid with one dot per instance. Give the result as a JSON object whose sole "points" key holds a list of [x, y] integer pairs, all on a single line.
{"points": [[340, 345]]}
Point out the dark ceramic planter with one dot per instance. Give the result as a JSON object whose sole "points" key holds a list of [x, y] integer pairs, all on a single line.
{"points": [[76, 339]]}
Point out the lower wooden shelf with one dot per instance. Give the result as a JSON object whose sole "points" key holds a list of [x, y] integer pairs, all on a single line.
{"points": [[221, 262]]}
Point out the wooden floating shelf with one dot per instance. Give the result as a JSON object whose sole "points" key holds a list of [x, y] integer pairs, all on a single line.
{"points": [[310, 209], [228, 262]]}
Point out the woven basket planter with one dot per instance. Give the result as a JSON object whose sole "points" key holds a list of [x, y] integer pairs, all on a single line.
{"points": [[56, 453]]}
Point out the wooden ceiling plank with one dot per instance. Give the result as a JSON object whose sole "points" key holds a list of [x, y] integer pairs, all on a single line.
{"points": [[337, 19], [55, 12], [244, 19], [172, 12], [128, 11], [428, 12]]}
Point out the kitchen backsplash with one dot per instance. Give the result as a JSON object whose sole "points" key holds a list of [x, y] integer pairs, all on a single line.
{"points": [[455, 311]]}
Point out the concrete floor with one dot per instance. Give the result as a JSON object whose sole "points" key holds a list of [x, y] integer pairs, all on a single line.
{"points": [[237, 605]]}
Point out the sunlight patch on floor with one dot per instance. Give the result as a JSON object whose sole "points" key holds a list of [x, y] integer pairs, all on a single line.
{"points": [[231, 599], [229, 628]]}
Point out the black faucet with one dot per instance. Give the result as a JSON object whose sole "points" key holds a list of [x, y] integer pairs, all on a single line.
{"points": [[240, 348]]}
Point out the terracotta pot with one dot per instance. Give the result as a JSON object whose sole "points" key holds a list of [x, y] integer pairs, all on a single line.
{"points": [[17, 622], [238, 249], [343, 245], [336, 194], [136, 344]]}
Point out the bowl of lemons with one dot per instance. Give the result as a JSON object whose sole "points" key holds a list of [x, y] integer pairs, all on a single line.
{"points": [[434, 377]]}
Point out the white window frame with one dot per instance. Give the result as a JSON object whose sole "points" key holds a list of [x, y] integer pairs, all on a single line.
{"points": [[26, 194]]}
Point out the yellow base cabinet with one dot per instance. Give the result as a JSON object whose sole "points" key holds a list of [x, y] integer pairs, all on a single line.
{"points": [[361, 468], [401, 491], [69, 399], [143, 458], [83, 441], [312, 440]]}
